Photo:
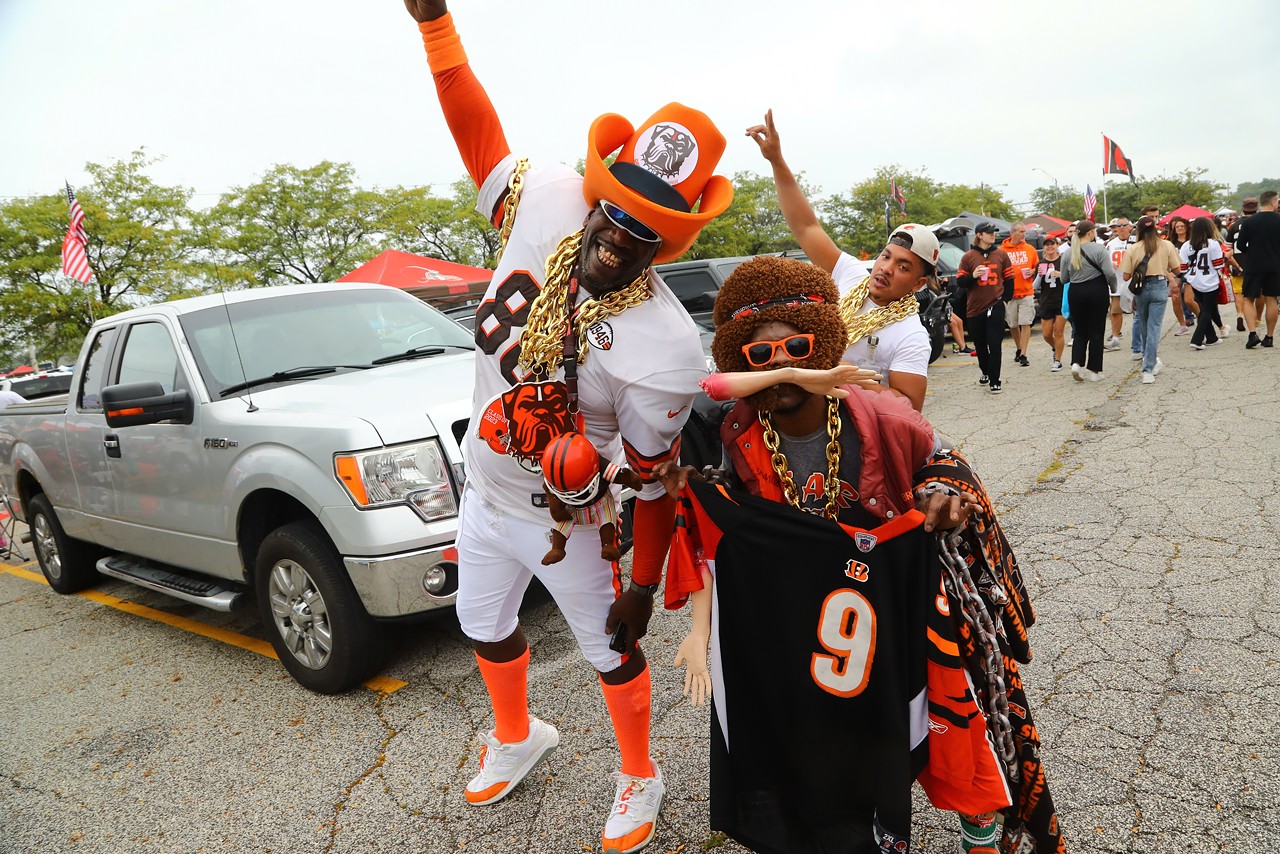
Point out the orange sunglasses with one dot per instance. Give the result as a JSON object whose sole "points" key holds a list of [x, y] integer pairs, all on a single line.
{"points": [[761, 353]]}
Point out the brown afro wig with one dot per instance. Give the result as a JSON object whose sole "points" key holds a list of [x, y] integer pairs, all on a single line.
{"points": [[756, 284]]}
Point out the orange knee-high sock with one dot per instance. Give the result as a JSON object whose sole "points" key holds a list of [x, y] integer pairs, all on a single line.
{"points": [[508, 684], [629, 709]]}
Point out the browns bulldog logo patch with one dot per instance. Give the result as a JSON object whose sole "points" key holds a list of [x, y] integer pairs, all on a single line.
{"points": [[523, 420], [667, 150]]}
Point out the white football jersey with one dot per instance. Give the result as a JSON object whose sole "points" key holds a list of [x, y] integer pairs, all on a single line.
{"points": [[640, 376]]}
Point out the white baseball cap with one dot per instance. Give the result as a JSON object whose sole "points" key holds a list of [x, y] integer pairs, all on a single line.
{"points": [[921, 241]]}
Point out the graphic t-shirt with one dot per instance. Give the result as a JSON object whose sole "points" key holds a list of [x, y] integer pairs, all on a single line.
{"points": [[642, 369], [902, 346], [1023, 258]]}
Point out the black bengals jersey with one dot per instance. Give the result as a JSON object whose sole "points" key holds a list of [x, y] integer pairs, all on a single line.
{"points": [[819, 669]]}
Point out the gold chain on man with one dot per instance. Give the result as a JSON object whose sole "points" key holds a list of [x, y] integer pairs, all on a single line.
{"points": [[542, 341], [862, 325], [783, 471]]}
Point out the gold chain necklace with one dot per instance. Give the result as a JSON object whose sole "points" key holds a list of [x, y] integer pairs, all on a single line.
{"points": [[779, 460], [862, 325], [542, 341], [514, 185]]}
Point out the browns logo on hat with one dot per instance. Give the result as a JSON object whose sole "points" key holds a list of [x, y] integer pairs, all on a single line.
{"points": [[663, 171], [920, 240]]}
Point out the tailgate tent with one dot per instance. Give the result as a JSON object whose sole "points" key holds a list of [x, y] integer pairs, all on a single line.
{"points": [[1187, 212], [429, 279]]}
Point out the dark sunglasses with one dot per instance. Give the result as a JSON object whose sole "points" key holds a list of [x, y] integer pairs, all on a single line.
{"points": [[628, 223], [760, 353]]}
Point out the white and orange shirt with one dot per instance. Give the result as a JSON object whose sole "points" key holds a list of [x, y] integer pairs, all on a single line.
{"points": [[640, 376]]}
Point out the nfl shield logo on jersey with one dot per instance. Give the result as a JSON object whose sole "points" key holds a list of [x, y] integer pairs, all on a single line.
{"points": [[864, 541]]}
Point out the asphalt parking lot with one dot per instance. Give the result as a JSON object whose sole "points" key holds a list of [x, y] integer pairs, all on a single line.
{"points": [[1146, 519]]}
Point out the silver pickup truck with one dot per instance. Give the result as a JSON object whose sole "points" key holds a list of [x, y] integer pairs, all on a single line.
{"points": [[299, 442]]}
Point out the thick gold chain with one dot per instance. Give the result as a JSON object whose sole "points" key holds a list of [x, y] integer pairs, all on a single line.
{"points": [[542, 341], [862, 325], [514, 185], [779, 460]]}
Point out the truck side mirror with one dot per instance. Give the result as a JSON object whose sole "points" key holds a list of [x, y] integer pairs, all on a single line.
{"points": [[132, 404]]}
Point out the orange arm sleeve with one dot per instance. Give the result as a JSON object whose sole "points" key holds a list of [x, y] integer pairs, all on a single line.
{"points": [[467, 109], [654, 524]]}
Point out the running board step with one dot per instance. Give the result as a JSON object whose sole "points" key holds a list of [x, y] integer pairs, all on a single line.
{"points": [[199, 590]]}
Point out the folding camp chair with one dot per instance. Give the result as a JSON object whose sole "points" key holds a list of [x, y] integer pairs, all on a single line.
{"points": [[9, 548]]}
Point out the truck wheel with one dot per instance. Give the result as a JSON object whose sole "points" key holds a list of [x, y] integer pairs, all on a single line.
{"points": [[313, 617], [67, 564]]}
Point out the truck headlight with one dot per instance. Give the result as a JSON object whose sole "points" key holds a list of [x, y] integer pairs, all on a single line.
{"points": [[417, 475]]}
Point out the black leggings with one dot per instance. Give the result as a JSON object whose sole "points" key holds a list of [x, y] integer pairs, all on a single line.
{"points": [[1208, 318], [986, 333], [1090, 303]]}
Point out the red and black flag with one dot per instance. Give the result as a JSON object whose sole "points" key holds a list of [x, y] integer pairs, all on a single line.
{"points": [[1113, 160], [896, 192]]}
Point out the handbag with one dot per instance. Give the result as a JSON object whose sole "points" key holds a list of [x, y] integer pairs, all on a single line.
{"points": [[1138, 278], [1224, 295]]}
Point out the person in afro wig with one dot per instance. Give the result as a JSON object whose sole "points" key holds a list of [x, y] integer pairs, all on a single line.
{"points": [[767, 289]]}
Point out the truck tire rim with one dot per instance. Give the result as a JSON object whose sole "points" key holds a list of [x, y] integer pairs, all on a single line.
{"points": [[47, 547], [300, 615]]}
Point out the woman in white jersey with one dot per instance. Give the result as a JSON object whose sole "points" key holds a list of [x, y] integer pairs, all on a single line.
{"points": [[878, 305], [1202, 263]]}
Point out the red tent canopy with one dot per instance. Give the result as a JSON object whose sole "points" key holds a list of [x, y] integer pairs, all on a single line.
{"points": [[1048, 223], [429, 279], [1187, 212], [22, 369]]}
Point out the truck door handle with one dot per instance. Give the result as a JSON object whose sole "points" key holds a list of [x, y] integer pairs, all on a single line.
{"points": [[112, 443]]}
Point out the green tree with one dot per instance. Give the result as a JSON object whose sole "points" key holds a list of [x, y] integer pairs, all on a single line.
{"points": [[856, 220], [139, 248], [752, 224], [1252, 189], [449, 228], [1187, 187], [1061, 202], [293, 226]]}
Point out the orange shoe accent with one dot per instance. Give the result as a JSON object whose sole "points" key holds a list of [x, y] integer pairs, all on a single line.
{"points": [[633, 841], [487, 795], [508, 684], [629, 709]]}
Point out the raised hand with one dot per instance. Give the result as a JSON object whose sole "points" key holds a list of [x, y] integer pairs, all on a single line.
{"points": [[426, 10], [766, 136]]}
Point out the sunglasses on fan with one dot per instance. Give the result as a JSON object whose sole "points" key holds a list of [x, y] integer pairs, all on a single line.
{"points": [[760, 353], [628, 223]]}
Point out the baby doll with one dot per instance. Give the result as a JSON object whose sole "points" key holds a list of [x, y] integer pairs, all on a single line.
{"points": [[577, 479]]}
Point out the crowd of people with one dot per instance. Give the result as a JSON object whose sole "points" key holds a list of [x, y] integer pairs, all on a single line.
{"points": [[1090, 278]]}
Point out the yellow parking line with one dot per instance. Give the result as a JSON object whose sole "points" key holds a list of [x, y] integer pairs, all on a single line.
{"points": [[385, 684]]}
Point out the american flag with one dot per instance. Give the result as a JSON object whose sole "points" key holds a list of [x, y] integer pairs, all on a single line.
{"points": [[896, 192], [75, 262], [1090, 202]]}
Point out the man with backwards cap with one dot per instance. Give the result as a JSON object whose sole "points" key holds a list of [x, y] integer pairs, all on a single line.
{"points": [[576, 333], [879, 309], [821, 722]]}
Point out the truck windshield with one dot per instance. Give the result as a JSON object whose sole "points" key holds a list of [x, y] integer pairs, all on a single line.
{"points": [[264, 341]]}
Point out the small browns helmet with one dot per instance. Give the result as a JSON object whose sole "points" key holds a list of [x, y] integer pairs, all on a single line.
{"points": [[570, 468]]}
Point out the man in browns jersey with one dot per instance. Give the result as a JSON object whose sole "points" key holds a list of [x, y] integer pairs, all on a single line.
{"points": [[576, 333], [888, 675]]}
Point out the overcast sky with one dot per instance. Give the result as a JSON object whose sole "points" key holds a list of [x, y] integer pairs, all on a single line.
{"points": [[224, 89]]}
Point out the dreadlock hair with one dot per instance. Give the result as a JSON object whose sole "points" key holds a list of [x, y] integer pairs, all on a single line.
{"points": [[759, 292]]}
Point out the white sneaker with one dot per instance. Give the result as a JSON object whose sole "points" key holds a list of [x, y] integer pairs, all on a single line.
{"points": [[1078, 372], [502, 766], [1158, 368], [1111, 343], [1183, 330], [1135, 357], [1222, 332], [634, 817], [1148, 377], [1195, 346], [1095, 378], [1056, 366]]}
